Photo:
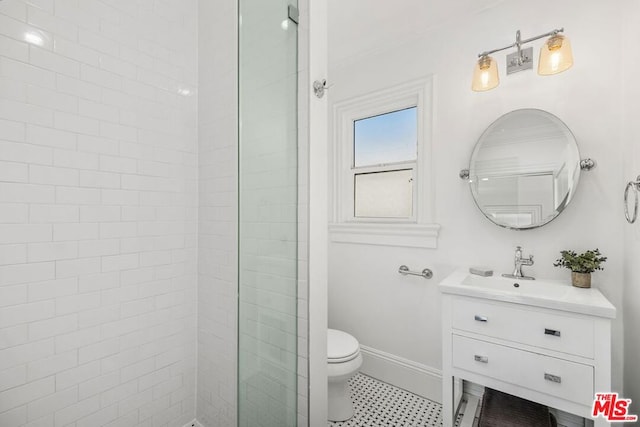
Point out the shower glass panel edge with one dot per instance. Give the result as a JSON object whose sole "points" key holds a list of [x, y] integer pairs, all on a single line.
{"points": [[267, 214]]}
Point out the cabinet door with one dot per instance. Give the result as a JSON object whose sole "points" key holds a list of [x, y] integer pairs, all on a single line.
{"points": [[569, 334], [556, 377]]}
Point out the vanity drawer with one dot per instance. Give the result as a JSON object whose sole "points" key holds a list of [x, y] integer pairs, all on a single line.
{"points": [[556, 377], [544, 329]]}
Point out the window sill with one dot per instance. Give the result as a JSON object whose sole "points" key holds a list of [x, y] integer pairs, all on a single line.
{"points": [[403, 235]]}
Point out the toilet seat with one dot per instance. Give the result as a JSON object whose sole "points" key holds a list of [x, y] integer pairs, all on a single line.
{"points": [[341, 347]]}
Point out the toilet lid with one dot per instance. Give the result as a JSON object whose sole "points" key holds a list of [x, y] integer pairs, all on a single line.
{"points": [[341, 347]]}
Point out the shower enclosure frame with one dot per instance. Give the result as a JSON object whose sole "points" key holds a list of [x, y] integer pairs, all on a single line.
{"points": [[313, 112], [267, 322]]}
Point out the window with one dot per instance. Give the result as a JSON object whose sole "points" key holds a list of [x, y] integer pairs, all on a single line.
{"points": [[386, 138], [384, 161], [387, 194], [382, 169]]}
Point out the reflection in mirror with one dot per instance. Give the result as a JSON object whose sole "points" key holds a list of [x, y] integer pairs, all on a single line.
{"points": [[524, 169]]}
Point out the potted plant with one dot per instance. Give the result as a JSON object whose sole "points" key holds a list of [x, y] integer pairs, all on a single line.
{"points": [[581, 266]]}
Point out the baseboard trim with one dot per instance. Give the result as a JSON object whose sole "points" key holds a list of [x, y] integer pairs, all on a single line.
{"points": [[194, 423], [412, 376]]}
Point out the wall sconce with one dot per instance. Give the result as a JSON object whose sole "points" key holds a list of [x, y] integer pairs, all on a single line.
{"points": [[555, 57]]}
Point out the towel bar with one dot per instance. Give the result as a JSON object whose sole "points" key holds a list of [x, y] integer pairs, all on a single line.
{"points": [[426, 273]]}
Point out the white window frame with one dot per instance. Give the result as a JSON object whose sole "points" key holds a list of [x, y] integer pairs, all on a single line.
{"points": [[417, 231]]}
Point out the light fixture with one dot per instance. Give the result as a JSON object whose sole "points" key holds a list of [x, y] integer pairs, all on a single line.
{"points": [[485, 74], [555, 57]]}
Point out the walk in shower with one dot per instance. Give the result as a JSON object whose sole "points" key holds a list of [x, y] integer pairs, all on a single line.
{"points": [[268, 214]]}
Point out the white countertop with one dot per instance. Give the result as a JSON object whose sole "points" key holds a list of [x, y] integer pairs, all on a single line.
{"points": [[552, 294]]}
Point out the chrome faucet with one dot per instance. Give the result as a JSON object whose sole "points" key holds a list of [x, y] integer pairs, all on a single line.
{"points": [[519, 262]]}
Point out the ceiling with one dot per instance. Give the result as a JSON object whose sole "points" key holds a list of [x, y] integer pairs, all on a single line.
{"points": [[359, 26]]}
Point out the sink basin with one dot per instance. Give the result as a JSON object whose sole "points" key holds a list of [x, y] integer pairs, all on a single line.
{"points": [[555, 294], [532, 288]]}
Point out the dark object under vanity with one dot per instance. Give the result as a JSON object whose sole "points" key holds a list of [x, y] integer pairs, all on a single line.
{"points": [[504, 410]]}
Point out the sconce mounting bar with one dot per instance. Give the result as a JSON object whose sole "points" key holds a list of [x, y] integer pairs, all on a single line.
{"points": [[519, 42]]}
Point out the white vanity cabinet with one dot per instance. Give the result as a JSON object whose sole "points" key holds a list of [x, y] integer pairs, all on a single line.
{"points": [[555, 351]]}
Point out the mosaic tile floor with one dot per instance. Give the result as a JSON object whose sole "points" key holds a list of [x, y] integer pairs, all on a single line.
{"points": [[381, 404]]}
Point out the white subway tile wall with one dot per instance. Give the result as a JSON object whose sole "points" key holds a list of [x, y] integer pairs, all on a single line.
{"points": [[217, 243], [99, 213]]}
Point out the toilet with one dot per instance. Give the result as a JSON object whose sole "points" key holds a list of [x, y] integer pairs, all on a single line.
{"points": [[343, 360]]}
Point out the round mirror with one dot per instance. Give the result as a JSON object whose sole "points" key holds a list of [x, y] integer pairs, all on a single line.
{"points": [[524, 169]]}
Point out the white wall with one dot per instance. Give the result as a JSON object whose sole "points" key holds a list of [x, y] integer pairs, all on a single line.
{"points": [[317, 130], [401, 315], [217, 243], [98, 213], [631, 136]]}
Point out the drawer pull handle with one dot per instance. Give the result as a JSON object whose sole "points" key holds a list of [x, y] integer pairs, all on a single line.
{"points": [[553, 378], [480, 318], [551, 332], [483, 359]]}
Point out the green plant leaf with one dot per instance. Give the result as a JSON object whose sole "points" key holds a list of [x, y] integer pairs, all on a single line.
{"points": [[586, 262]]}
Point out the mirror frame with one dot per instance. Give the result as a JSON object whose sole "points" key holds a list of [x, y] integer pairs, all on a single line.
{"points": [[586, 164]]}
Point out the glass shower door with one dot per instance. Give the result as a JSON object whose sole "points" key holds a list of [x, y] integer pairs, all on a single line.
{"points": [[268, 190]]}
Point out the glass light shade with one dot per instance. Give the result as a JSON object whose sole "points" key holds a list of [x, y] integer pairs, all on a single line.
{"points": [[485, 74], [555, 56]]}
